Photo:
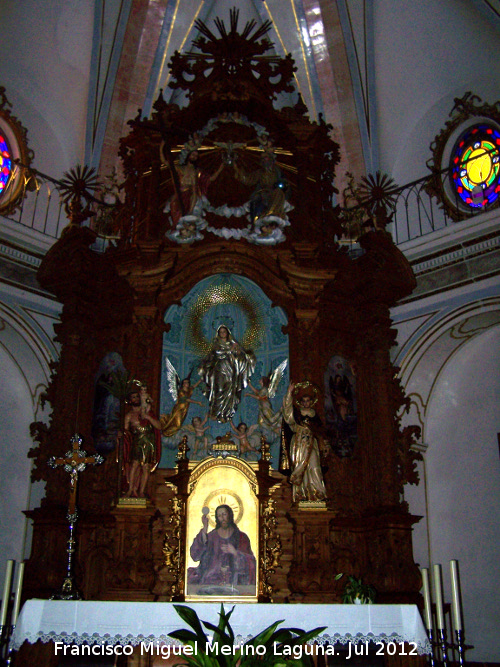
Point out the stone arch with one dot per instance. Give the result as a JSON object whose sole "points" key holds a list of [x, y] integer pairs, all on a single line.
{"points": [[25, 356], [432, 347]]}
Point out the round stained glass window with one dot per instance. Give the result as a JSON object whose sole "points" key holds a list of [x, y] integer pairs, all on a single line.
{"points": [[15, 158], [475, 166], [5, 164]]}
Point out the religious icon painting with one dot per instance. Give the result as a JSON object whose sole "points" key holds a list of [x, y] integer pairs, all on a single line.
{"points": [[109, 386], [341, 412], [222, 532]]}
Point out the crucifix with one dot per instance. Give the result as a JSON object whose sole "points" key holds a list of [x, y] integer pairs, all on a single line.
{"points": [[74, 462]]}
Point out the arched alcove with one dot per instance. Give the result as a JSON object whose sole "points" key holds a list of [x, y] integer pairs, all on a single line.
{"points": [[433, 344], [241, 305], [460, 496], [24, 360]]}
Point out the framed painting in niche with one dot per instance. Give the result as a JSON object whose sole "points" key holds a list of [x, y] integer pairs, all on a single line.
{"points": [[222, 532], [341, 410]]}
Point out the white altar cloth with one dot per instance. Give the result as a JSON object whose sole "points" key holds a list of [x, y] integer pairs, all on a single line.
{"points": [[136, 622]]}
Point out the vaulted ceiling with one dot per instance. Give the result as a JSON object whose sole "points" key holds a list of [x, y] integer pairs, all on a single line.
{"points": [[384, 74]]}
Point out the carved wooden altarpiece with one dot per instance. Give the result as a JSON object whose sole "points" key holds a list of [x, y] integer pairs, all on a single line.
{"points": [[234, 110]]}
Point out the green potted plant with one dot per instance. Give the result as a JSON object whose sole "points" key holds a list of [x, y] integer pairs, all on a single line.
{"points": [[356, 592], [273, 646]]}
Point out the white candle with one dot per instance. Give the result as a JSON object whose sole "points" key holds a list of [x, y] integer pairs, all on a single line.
{"points": [[427, 598], [19, 590], [438, 589], [6, 592], [455, 595]]}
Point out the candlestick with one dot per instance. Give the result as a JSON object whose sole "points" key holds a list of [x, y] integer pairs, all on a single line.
{"points": [[6, 592], [444, 647], [433, 646], [455, 596], [461, 647], [17, 597], [439, 596], [427, 598]]}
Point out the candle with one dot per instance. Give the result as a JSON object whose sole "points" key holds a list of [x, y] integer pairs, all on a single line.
{"points": [[439, 596], [6, 592], [19, 589], [427, 598], [455, 595]]}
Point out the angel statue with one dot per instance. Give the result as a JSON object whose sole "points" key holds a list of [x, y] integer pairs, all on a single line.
{"points": [[181, 392], [268, 419]]}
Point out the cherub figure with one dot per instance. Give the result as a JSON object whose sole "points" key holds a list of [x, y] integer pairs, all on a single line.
{"points": [[243, 433], [181, 392], [146, 400], [268, 419], [197, 431]]}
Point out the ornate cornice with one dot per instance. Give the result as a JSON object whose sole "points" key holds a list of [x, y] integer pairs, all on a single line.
{"points": [[457, 253]]}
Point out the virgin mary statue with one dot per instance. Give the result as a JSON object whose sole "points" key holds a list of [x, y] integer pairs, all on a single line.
{"points": [[225, 371]]}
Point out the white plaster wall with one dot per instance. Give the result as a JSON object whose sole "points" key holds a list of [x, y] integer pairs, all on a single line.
{"points": [[26, 349], [463, 487], [16, 412], [426, 54], [44, 66]]}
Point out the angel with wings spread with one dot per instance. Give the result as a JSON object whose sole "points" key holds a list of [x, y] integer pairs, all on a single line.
{"points": [[181, 392], [268, 419]]}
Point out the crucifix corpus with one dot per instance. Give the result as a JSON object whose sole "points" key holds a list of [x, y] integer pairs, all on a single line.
{"points": [[74, 462]]}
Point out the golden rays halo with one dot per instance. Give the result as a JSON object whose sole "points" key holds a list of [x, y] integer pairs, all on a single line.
{"points": [[305, 388], [224, 497], [220, 295]]}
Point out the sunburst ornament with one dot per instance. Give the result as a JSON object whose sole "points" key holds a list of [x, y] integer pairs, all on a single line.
{"points": [[377, 191], [232, 62], [78, 182]]}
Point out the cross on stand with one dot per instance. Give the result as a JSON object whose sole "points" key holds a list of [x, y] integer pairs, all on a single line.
{"points": [[74, 462]]}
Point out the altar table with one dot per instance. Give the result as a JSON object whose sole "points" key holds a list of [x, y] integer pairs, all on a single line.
{"points": [[134, 623]]}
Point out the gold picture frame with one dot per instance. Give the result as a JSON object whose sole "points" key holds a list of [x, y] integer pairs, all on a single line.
{"points": [[221, 562]]}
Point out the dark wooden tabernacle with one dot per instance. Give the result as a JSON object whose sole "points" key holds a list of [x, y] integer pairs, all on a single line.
{"points": [[234, 113]]}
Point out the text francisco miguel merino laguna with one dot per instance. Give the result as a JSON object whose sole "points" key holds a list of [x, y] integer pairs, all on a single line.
{"points": [[167, 650]]}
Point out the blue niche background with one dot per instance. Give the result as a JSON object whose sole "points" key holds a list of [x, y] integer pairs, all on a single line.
{"points": [[242, 306]]}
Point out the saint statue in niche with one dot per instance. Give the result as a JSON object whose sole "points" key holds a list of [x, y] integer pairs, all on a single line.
{"points": [[142, 444], [302, 431], [225, 371]]}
